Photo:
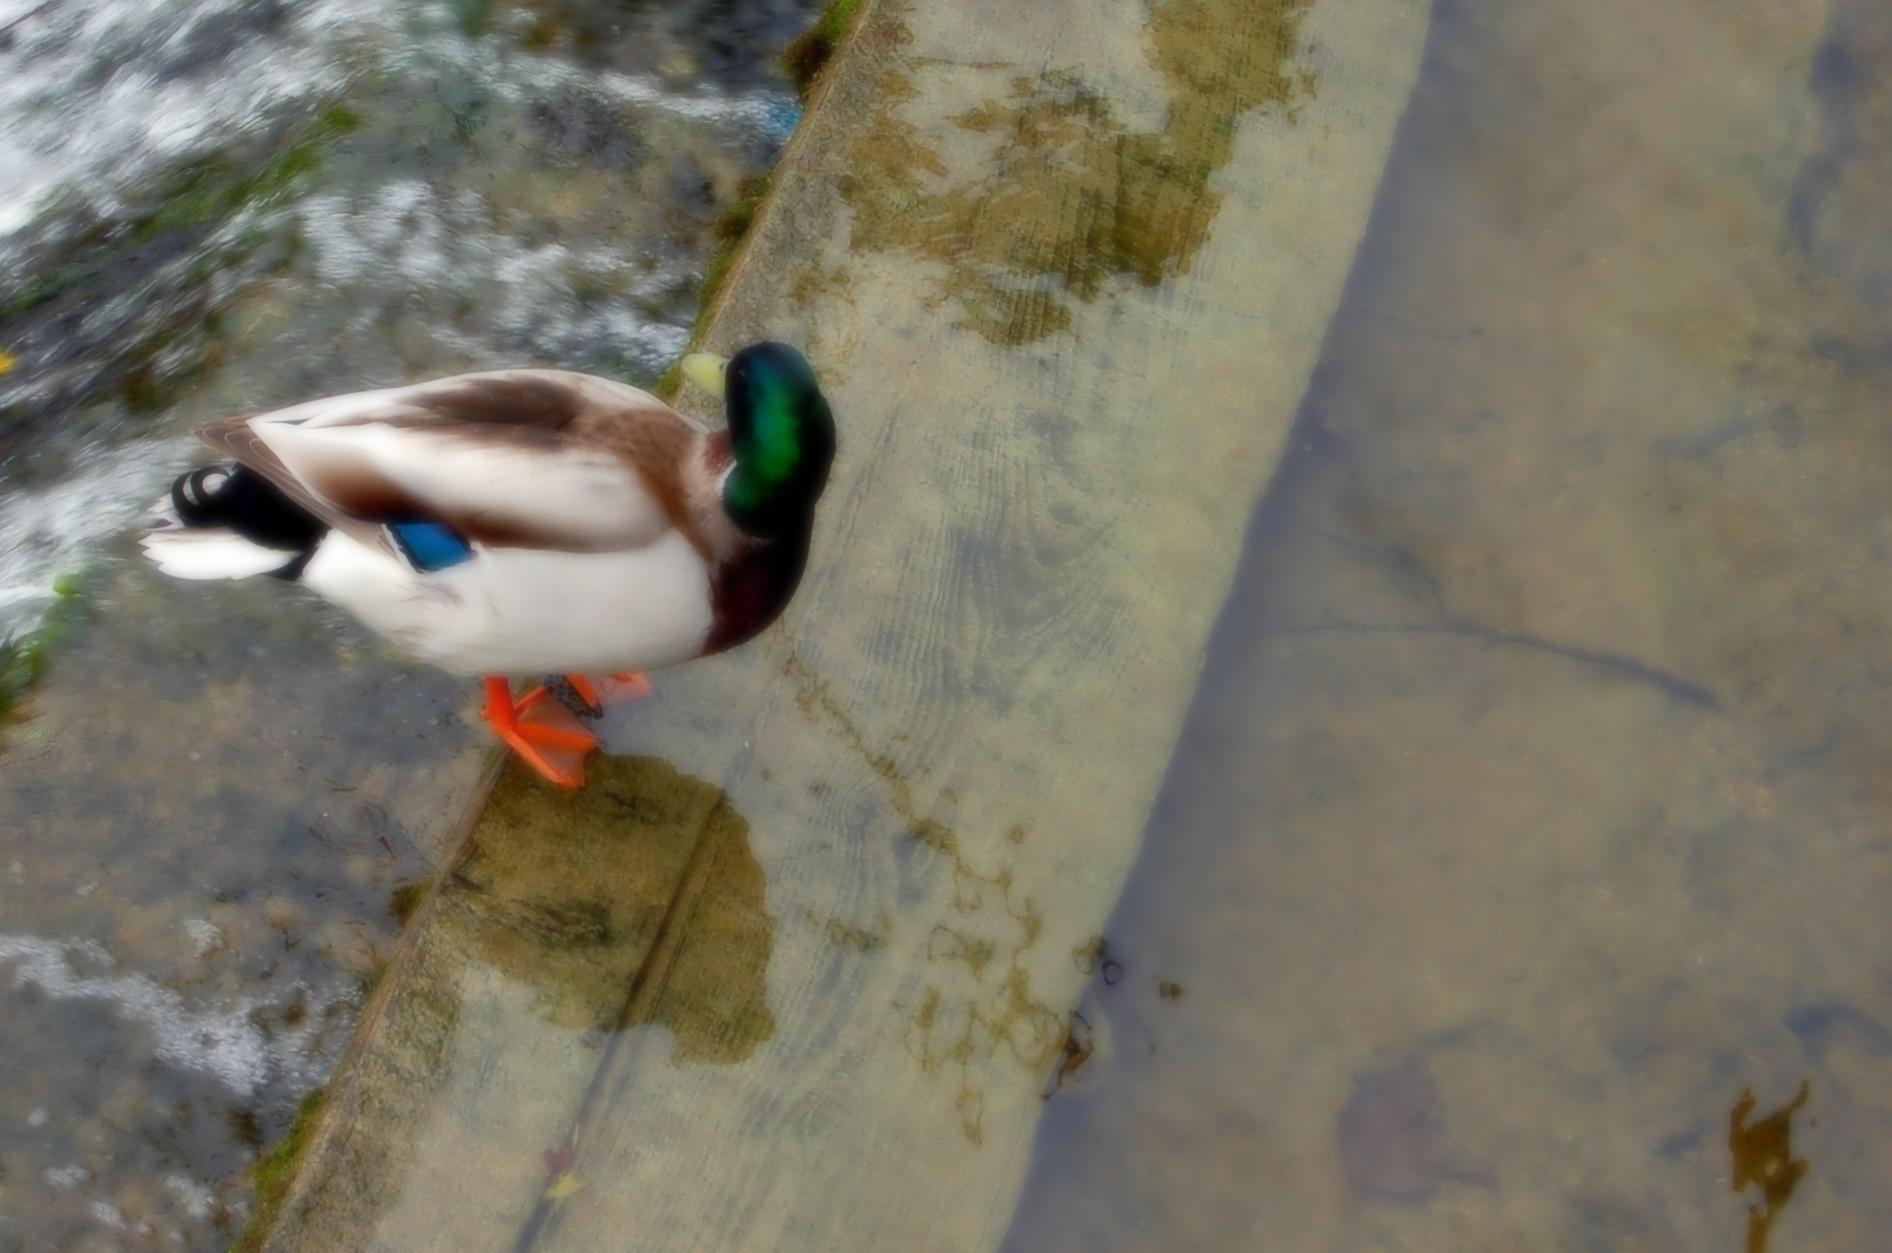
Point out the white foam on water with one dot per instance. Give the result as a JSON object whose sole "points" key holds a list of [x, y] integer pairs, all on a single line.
{"points": [[223, 1043], [97, 93], [196, 1199], [443, 244], [65, 1176], [205, 934], [109, 1215], [764, 110], [48, 530]]}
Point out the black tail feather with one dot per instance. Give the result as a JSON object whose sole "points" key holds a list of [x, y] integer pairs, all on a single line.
{"points": [[239, 499]]}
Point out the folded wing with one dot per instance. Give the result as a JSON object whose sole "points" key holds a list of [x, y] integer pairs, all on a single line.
{"points": [[514, 459]]}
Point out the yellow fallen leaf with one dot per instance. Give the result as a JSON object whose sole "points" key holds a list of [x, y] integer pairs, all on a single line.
{"points": [[7, 362], [563, 1187]]}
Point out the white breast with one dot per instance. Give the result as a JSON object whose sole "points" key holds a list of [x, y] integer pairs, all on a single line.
{"points": [[516, 611]]}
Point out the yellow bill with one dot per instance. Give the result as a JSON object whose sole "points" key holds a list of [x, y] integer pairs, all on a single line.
{"points": [[705, 369]]}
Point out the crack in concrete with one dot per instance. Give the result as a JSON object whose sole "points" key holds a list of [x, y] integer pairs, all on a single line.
{"points": [[1673, 685]]}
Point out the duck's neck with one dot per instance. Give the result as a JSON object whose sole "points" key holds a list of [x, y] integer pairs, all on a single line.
{"points": [[765, 506], [708, 524], [753, 578], [718, 456], [781, 456], [749, 590]]}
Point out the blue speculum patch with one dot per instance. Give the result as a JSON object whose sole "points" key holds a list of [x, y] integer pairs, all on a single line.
{"points": [[430, 546]]}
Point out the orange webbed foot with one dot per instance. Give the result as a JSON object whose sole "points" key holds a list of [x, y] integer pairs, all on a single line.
{"points": [[629, 685], [546, 735], [612, 689]]}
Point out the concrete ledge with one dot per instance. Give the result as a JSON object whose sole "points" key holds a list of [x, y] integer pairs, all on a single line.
{"points": [[1065, 275]]}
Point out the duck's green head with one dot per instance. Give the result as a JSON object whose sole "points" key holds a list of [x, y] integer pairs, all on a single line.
{"points": [[780, 432]]}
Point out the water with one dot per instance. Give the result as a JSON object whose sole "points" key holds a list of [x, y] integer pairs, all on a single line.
{"points": [[213, 208], [1541, 748]]}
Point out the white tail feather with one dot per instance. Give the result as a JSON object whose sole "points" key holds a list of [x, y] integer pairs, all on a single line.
{"points": [[213, 553]]}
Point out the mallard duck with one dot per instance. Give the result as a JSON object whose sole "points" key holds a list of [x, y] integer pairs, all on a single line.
{"points": [[525, 522]]}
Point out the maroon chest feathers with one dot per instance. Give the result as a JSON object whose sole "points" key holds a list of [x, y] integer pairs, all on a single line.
{"points": [[750, 591]]}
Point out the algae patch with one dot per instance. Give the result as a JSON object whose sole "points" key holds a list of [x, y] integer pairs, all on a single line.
{"points": [[191, 246], [809, 55], [1763, 1156], [731, 230], [24, 659], [1067, 197], [979, 998], [276, 1170], [405, 898], [581, 941]]}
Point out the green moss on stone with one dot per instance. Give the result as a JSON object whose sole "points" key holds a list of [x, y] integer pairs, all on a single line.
{"points": [[404, 899], [807, 56], [731, 229], [276, 1170], [194, 198], [803, 60], [24, 658]]}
